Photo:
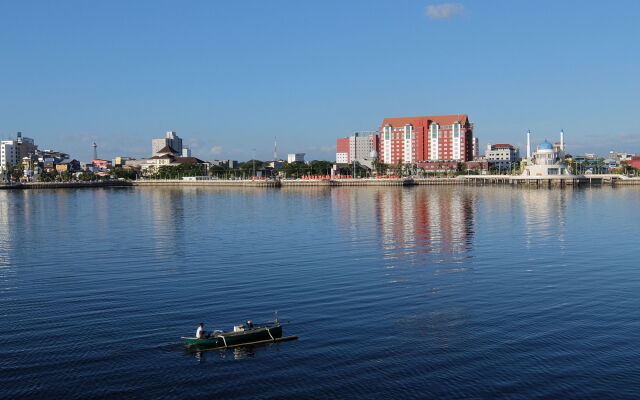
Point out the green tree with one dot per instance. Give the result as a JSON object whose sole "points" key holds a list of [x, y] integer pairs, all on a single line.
{"points": [[462, 168], [295, 169], [48, 176], [86, 176], [65, 176], [380, 167], [219, 171], [17, 172], [123, 173], [247, 167], [319, 167], [178, 171]]}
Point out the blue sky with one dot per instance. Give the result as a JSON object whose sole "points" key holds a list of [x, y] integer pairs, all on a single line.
{"points": [[229, 76]]}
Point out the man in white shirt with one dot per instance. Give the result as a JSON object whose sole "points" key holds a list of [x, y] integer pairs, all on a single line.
{"points": [[200, 332]]}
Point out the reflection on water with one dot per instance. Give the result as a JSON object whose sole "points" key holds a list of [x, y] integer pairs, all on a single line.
{"points": [[5, 244], [236, 353], [424, 221], [5, 239], [417, 230], [167, 214], [412, 222], [544, 214]]}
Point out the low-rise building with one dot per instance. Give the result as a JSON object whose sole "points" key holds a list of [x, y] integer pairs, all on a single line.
{"points": [[68, 166], [439, 166], [502, 156], [231, 164], [120, 161], [56, 156], [620, 156], [100, 165], [137, 164], [153, 164], [634, 162]]}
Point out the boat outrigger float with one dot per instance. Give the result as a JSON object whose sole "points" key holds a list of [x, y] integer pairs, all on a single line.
{"points": [[241, 335]]}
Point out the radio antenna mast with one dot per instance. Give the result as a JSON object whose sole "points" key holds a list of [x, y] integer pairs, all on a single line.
{"points": [[275, 148]]}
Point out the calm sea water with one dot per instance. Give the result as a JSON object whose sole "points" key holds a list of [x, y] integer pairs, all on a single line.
{"points": [[426, 292]]}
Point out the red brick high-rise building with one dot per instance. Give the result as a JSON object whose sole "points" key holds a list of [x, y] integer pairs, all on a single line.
{"points": [[426, 139]]}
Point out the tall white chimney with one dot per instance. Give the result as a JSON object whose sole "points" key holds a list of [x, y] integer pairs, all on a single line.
{"points": [[529, 144], [561, 139]]}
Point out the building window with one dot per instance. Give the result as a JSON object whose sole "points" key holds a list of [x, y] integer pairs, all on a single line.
{"points": [[407, 131], [456, 130]]}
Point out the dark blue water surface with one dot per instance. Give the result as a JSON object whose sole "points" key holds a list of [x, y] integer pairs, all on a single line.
{"points": [[424, 292]]}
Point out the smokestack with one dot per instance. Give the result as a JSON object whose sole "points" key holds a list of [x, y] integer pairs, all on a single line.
{"points": [[529, 144], [561, 139]]}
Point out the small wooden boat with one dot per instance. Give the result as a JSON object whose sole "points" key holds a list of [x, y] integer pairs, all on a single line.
{"points": [[240, 336]]}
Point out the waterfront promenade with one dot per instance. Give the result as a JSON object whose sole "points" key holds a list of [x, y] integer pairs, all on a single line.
{"points": [[470, 180]]}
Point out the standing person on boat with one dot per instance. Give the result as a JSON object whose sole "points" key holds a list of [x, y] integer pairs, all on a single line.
{"points": [[200, 332]]}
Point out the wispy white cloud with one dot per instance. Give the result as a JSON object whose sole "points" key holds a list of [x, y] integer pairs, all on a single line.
{"points": [[444, 10], [216, 150]]}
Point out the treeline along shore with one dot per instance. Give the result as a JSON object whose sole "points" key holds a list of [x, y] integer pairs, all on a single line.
{"points": [[473, 180]]}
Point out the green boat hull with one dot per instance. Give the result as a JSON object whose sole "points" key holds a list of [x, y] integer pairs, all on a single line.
{"points": [[229, 339]]}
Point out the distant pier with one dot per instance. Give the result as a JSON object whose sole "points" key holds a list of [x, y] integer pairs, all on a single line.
{"points": [[560, 181]]}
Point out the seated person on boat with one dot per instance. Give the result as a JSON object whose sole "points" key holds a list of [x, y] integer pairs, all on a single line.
{"points": [[200, 332]]}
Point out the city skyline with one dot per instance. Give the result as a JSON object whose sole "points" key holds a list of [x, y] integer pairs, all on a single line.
{"points": [[119, 74]]}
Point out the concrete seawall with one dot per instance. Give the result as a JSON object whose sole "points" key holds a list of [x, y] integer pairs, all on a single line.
{"points": [[65, 185], [461, 180], [213, 182]]}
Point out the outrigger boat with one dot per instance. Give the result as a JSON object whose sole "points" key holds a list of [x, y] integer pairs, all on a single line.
{"points": [[241, 335]]}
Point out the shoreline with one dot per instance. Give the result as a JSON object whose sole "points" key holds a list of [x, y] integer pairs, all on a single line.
{"points": [[465, 180]]}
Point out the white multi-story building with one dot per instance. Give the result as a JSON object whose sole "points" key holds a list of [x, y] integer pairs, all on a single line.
{"points": [[502, 156], [295, 157], [8, 155], [12, 151]]}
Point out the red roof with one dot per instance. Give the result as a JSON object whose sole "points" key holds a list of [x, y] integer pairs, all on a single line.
{"points": [[166, 149], [188, 160], [426, 120], [501, 145]]}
